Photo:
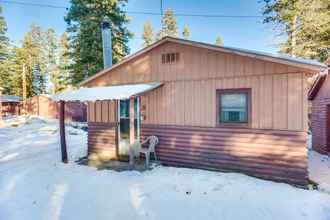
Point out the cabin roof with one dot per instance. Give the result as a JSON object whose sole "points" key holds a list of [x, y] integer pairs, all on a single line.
{"points": [[317, 85], [312, 65]]}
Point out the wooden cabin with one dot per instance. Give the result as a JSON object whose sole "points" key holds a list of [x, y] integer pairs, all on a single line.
{"points": [[218, 108], [10, 105], [320, 117], [43, 105]]}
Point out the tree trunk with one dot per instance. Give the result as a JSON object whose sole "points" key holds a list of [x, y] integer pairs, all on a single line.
{"points": [[293, 36]]}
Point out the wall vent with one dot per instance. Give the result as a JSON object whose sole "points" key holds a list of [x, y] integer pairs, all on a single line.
{"points": [[168, 58]]}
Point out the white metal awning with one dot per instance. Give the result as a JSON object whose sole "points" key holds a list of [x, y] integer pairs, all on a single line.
{"points": [[106, 93]]}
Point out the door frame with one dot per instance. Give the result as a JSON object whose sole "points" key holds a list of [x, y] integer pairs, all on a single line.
{"points": [[137, 128]]}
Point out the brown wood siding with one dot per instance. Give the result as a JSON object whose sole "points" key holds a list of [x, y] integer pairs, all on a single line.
{"points": [[102, 111], [193, 103], [188, 97], [102, 138], [44, 106], [320, 120], [270, 154]]}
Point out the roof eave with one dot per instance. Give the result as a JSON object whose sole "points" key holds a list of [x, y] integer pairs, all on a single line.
{"points": [[313, 67], [317, 85]]}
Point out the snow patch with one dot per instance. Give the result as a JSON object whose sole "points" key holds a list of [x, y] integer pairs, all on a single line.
{"points": [[36, 185]]}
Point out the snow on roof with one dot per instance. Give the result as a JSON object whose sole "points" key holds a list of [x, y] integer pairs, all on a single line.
{"points": [[10, 98], [106, 93]]}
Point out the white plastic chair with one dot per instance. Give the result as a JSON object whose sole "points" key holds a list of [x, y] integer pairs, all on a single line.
{"points": [[152, 141], [136, 148]]}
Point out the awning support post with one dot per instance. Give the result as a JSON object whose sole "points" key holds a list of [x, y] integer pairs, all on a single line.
{"points": [[131, 121], [62, 132], [131, 129]]}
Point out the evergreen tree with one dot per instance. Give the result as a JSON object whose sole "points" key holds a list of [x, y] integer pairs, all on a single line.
{"points": [[6, 79], [6, 74], [219, 41], [64, 79], [4, 40], [169, 25], [19, 59], [147, 34], [305, 23], [84, 19], [51, 58], [38, 81], [186, 32], [31, 55]]}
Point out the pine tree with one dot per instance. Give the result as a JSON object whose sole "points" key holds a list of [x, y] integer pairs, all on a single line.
{"points": [[31, 55], [19, 59], [64, 79], [219, 41], [38, 56], [4, 40], [38, 81], [6, 79], [305, 23], [6, 74], [186, 32], [51, 58], [147, 34], [169, 25], [84, 19]]}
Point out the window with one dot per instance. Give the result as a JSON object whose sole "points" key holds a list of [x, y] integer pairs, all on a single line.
{"points": [[168, 58], [234, 106]]}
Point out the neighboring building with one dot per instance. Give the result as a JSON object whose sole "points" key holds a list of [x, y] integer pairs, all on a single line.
{"points": [[219, 108], [44, 106], [10, 104], [320, 120]]}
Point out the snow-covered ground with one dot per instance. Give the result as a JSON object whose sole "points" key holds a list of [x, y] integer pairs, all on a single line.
{"points": [[319, 170], [34, 185], [318, 167]]}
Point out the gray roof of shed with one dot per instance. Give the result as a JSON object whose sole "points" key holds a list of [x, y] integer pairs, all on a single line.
{"points": [[10, 98]]}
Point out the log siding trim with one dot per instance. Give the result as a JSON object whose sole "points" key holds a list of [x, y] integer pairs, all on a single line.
{"points": [[320, 117], [102, 139], [268, 154]]}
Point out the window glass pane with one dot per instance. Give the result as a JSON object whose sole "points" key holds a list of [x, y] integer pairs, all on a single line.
{"points": [[124, 108], [233, 107]]}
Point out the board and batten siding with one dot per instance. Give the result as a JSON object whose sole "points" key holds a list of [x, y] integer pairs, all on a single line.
{"points": [[102, 141], [188, 96], [101, 111], [182, 112]]}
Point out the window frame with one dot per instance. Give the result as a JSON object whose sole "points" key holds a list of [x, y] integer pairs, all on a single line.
{"points": [[220, 92]]}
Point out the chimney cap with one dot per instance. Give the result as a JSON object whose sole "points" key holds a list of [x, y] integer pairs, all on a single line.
{"points": [[106, 23]]}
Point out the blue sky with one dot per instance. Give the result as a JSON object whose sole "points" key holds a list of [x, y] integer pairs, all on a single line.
{"points": [[247, 33]]}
